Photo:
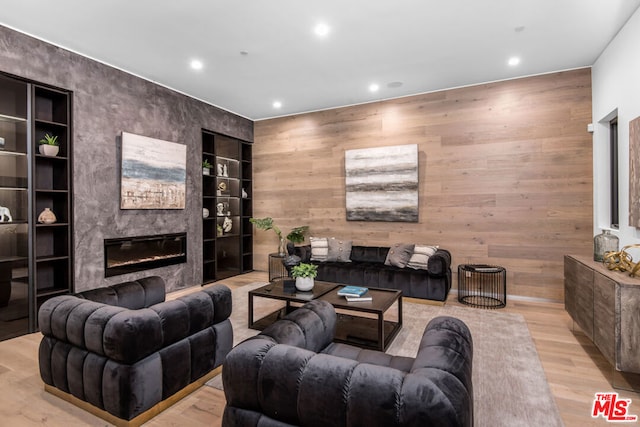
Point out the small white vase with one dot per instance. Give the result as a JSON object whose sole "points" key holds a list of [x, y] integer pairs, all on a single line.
{"points": [[304, 284], [206, 171], [48, 150]]}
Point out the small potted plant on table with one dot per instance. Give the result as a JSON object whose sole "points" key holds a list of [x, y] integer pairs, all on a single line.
{"points": [[49, 145], [304, 274]]}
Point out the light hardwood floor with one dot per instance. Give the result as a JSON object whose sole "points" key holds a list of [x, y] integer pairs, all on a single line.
{"points": [[574, 369]]}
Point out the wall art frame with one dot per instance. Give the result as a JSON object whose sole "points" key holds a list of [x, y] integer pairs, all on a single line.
{"points": [[153, 173], [382, 184]]}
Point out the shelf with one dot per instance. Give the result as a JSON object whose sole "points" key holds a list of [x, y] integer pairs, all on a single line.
{"points": [[12, 153], [54, 225], [12, 119], [14, 222], [58, 158], [51, 292], [51, 259], [50, 123]]}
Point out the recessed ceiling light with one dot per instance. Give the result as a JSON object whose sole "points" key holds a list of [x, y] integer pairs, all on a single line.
{"points": [[373, 87], [321, 29], [513, 61], [196, 64], [277, 104]]}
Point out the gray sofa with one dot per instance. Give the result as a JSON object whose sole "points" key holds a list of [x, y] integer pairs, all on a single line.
{"points": [[292, 374], [367, 268], [123, 348]]}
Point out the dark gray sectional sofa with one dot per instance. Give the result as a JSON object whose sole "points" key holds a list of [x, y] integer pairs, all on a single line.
{"points": [[367, 268], [292, 374], [123, 348]]}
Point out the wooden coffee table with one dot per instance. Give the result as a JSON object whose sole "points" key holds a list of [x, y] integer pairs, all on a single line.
{"points": [[359, 323], [276, 290], [363, 323]]}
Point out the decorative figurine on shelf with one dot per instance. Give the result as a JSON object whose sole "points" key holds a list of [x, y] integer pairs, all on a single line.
{"points": [[227, 224], [219, 229], [244, 194], [225, 171], [5, 213], [220, 209], [47, 216], [205, 213], [220, 169]]}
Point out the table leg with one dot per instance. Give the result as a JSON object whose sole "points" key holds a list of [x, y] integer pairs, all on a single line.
{"points": [[381, 331], [250, 310]]}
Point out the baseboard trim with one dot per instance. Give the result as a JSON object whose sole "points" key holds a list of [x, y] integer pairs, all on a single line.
{"points": [[423, 301], [143, 417]]}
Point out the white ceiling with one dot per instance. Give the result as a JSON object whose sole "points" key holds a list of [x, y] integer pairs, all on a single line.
{"points": [[426, 45]]}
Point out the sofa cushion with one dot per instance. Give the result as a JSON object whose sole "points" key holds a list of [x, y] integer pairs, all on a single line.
{"points": [[369, 254], [420, 258], [319, 248], [399, 254], [339, 250]]}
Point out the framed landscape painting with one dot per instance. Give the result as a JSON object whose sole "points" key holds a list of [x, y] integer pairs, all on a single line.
{"points": [[154, 173], [382, 184]]}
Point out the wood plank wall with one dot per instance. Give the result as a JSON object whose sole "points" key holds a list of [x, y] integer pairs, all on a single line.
{"points": [[505, 174]]}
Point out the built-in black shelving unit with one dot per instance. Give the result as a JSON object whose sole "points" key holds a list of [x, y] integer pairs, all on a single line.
{"points": [[35, 257], [227, 236]]}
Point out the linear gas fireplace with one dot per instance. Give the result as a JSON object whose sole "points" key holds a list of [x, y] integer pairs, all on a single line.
{"points": [[129, 254]]}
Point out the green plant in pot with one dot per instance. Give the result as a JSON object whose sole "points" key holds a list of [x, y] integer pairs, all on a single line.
{"points": [[304, 274], [48, 145], [206, 167], [296, 235]]}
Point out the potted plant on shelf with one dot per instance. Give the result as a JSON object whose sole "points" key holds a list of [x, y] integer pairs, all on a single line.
{"points": [[296, 235], [304, 274], [49, 145], [206, 167]]}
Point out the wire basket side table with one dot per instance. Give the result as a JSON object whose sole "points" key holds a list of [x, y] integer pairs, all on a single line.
{"points": [[482, 285]]}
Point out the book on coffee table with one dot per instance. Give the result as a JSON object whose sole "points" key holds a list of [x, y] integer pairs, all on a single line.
{"points": [[358, 299], [353, 291]]}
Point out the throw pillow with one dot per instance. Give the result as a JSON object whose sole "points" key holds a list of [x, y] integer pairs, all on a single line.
{"points": [[339, 250], [399, 255], [319, 248], [420, 258]]}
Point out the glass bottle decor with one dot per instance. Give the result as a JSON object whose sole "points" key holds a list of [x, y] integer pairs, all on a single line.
{"points": [[603, 243]]}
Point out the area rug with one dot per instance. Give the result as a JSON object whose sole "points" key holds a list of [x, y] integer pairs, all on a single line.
{"points": [[509, 384]]}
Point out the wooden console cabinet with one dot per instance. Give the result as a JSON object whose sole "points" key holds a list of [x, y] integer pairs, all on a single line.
{"points": [[606, 306]]}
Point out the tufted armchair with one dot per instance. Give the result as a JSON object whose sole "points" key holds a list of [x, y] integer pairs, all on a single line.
{"points": [[293, 375], [124, 349]]}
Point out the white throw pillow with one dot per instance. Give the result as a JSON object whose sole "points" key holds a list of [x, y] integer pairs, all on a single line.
{"points": [[319, 248], [420, 258]]}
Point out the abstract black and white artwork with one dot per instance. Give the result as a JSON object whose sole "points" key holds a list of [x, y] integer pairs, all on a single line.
{"points": [[382, 184], [154, 173]]}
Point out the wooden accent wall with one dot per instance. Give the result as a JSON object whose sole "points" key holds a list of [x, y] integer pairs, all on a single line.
{"points": [[505, 174]]}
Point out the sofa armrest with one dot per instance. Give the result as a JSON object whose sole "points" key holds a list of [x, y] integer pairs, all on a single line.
{"points": [[439, 264], [445, 355], [311, 327]]}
